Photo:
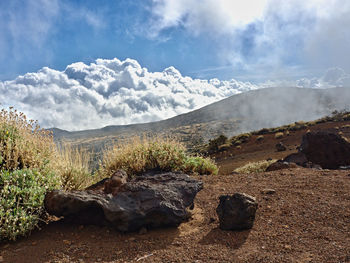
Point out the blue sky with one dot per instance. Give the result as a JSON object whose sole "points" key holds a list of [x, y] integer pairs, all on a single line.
{"points": [[258, 40], [122, 62], [86, 30]]}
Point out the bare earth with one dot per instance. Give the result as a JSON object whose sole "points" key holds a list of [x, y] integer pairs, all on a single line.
{"points": [[306, 220]]}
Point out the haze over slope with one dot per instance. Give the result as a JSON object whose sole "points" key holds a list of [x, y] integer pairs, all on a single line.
{"points": [[252, 110]]}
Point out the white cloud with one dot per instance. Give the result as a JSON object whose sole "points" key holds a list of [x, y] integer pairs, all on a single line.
{"points": [[274, 34], [334, 77], [219, 16], [114, 92], [110, 92]]}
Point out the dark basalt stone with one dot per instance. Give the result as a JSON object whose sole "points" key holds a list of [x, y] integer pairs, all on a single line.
{"points": [[322, 150], [237, 211], [149, 201]]}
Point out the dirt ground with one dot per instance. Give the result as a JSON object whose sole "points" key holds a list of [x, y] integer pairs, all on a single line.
{"points": [[307, 219], [253, 150]]}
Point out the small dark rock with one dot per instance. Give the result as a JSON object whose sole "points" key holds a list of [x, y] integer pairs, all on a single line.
{"points": [[268, 191], [237, 211], [279, 165], [280, 147]]}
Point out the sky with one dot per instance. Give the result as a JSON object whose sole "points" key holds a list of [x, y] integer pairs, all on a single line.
{"points": [[136, 61]]}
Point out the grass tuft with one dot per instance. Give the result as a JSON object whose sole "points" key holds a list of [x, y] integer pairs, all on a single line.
{"points": [[256, 167], [138, 156], [75, 167]]}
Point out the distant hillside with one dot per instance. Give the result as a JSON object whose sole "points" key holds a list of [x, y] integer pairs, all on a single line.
{"points": [[248, 111]]}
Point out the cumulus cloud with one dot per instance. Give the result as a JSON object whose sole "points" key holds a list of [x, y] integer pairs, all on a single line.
{"points": [[334, 77], [114, 92], [111, 92]]}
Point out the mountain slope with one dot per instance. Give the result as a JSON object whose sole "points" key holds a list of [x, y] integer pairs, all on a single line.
{"points": [[243, 112]]}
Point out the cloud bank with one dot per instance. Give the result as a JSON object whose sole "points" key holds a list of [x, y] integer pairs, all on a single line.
{"points": [[114, 92], [110, 92]]}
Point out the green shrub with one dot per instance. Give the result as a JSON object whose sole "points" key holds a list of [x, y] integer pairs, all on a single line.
{"points": [[214, 144], [22, 194], [199, 165], [139, 156], [236, 142], [28, 168], [260, 138], [256, 167], [239, 139], [224, 147], [279, 135]]}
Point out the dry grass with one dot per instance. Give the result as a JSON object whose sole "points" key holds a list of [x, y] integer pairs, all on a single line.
{"points": [[23, 144], [256, 167], [279, 135], [75, 166], [260, 138], [140, 155]]}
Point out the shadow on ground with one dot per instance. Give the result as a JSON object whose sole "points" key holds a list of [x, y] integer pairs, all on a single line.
{"points": [[63, 242], [231, 239]]}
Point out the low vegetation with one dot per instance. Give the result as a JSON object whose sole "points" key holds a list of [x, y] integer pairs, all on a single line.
{"points": [[139, 156], [28, 165], [32, 164], [260, 138], [279, 132], [255, 167], [75, 167], [215, 144], [279, 135]]}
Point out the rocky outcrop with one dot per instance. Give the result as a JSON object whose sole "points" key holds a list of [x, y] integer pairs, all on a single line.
{"points": [[329, 150], [148, 201], [322, 149], [237, 211]]}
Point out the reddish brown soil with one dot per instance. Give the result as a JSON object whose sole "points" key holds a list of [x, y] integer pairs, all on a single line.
{"points": [[306, 220], [253, 150]]}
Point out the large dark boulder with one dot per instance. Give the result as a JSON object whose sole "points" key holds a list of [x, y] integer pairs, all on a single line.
{"points": [[237, 211], [329, 150], [297, 158], [149, 201]]}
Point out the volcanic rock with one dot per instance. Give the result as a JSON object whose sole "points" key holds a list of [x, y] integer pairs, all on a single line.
{"points": [[297, 158], [279, 165], [329, 150], [280, 147], [237, 211], [149, 201]]}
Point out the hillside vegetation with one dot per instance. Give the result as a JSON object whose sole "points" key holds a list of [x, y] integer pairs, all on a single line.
{"points": [[32, 164], [254, 110]]}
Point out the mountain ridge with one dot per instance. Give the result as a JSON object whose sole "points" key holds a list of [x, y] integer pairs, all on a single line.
{"points": [[253, 110]]}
